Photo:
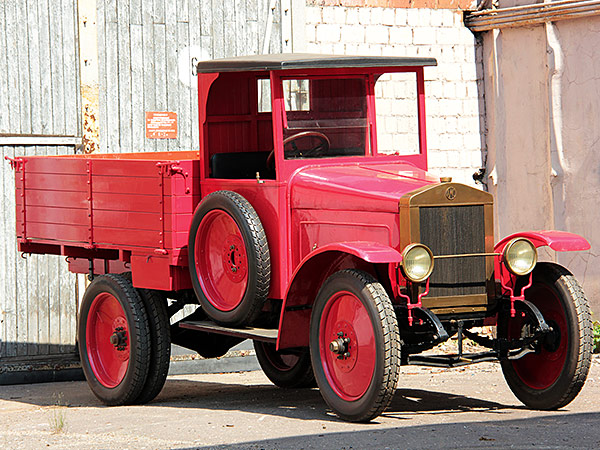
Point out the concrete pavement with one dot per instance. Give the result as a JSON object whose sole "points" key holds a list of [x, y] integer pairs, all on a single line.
{"points": [[433, 408]]}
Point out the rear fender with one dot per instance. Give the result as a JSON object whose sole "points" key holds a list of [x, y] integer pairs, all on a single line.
{"points": [[306, 281], [560, 241]]}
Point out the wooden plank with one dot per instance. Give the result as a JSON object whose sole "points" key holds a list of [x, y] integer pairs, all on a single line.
{"points": [[172, 78], [9, 286], [126, 185], [110, 11], [21, 295], [149, 103], [124, 98], [3, 170], [159, 11], [56, 199], [23, 48], [183, 13], [3, 79], [49, 164], [276, 31], [241, 27], [6, 176], [102, 76], [45, 68], [68, 310], [138, 64], [206, 20], [229, 29], [184, 106], [12, 75], [113, 124], [57, 70], [50, 216], [135, 12], [161, 75], [194, 23], [218, 38], [72, 85], [54, 182], [253, 40]]}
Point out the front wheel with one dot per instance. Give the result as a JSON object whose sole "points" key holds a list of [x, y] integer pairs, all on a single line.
{"points": [[355, 345], [551, 377]]}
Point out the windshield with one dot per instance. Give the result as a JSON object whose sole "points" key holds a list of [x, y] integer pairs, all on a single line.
{"points": [[325, 117]]}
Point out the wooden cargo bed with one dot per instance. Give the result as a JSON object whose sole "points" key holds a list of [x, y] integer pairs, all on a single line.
{"points": [[132, 210]]}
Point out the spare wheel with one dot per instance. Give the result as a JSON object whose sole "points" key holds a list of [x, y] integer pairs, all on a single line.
{"points": [[229, 259]]}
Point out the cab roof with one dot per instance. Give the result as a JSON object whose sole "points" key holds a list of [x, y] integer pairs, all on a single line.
{"points": [[288, 61]]}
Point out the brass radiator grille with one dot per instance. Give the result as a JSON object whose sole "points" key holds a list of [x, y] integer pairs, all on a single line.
{"points": [[455, 230]]}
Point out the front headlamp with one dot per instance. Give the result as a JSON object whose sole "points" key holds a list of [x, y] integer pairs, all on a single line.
{"points": [[417, 262], [520, 256]]}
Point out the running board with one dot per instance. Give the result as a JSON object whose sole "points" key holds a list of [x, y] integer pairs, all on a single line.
{"points": [[257, 334]]}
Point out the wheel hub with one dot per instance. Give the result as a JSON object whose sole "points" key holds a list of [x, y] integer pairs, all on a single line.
{"points": [[119, 339], [551, 342], [344, 346], [234, 258], [340, 346]]}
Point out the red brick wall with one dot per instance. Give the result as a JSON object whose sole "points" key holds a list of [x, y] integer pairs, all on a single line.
{"points": [[431, 4]]}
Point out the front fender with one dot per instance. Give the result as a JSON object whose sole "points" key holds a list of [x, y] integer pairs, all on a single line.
{"points": [[372, 252], [561, 241], [310, 274]]}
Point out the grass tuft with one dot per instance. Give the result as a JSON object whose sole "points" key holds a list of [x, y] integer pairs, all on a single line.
{"points": [[58, 414]]}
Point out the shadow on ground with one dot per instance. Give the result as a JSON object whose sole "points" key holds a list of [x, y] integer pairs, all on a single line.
{"points": [[559, 431], [305, 404]]}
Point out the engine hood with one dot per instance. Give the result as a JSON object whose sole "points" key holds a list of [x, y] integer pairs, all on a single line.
{"points": [[363, 186]]}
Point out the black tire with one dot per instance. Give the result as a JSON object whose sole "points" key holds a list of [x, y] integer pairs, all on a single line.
{"points": [[552, 377], [155, 304], [111, 299], [355, 392], [288, 368], [246, 273]]}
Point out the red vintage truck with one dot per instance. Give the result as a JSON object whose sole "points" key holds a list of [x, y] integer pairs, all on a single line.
{"points": [[289, 227]]}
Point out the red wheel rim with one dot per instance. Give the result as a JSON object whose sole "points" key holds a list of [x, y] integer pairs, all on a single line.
{"points": [[282, 361], [221, 260], [346, 317], [541, 370], [107, 337]]}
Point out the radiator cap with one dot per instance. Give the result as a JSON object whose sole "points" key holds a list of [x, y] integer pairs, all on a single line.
{"points": [[445, 179]]}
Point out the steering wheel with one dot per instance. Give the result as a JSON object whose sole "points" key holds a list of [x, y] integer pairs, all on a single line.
{"points": [[318, 150]]}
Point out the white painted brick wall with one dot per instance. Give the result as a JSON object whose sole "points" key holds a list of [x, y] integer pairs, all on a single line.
{"points": [[453, 105]]}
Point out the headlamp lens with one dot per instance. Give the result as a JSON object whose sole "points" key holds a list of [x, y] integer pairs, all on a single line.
{"points": [[417, 262], [520, 256]]}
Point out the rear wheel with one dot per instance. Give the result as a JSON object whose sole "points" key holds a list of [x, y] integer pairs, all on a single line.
{"points": [[155, 304], [229, 259], [114, 340], [290, 368], [355, 345], [551, 377]]}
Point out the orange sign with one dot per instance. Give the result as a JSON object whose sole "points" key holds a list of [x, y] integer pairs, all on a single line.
{"points": [[161, 125]]}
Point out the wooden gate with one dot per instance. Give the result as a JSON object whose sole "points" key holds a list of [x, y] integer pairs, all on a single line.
{"points": [[39, 114]]}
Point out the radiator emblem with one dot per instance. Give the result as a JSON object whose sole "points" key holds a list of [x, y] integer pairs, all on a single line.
{"points": [[451, 193]]}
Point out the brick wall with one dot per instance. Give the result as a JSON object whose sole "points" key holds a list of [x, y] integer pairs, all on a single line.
{"points": [[453, 106]]}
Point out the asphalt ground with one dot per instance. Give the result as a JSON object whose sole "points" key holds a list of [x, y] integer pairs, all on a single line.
{"points": [[467, 408]]}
